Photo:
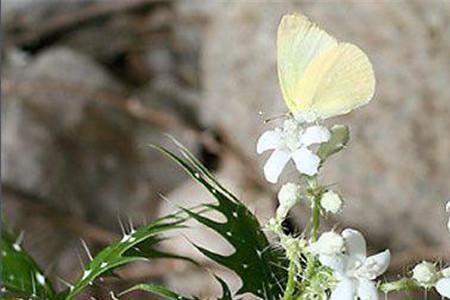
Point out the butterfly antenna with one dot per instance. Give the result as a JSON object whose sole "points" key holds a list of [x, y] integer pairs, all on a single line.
{"points": [[270, 119]]}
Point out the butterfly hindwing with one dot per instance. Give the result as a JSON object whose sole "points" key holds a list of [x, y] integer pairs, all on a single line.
{"points": [[338, 81]]}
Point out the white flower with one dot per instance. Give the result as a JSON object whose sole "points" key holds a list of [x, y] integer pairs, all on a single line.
{"points": [[329, 243], [447, 208], [425, 273], [331, 202], [291, 141], [443, 284], [354, 271], [288, 196], [427, 276], [446, 272], [443, 287]]}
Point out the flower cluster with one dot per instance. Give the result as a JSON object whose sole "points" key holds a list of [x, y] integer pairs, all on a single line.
{"points": [[343, 255], [346, 255]]}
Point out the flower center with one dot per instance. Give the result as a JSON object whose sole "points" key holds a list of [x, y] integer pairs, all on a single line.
{"points": [[290, 134]]}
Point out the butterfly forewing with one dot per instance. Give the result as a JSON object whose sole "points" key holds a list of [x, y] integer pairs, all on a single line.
{"points": [[299, 41]]}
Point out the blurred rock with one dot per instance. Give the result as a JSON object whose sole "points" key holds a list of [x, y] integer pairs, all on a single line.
{"points": [[131, 38], [394, 173], [76, 153]]}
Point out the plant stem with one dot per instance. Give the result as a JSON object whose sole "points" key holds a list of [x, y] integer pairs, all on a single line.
{"points": [[290, 286], [315, 209], [404, 284]]}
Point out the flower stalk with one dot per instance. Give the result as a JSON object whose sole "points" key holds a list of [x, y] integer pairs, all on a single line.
{"points": [[290, 286], [316, 194]]}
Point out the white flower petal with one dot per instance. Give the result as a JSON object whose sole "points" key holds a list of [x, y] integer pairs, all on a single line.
{"points": [[275, 165], [355, 244], [345, 290], [367, 290], [306, 161], [268, 140], [315, 135], [443, 287], [336, 262], [376, 265], [329, 243]]}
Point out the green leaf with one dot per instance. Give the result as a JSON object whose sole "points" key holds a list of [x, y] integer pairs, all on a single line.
{"points": [[340, 136], [22, 278], [262, 268], [138, 245], [169, 294], [158, 290]]}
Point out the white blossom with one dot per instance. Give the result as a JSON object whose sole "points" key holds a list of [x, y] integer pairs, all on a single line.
{"points": [[447, 208], [443, 284], [427, 276], [288, 196], [331, 202], [446, 272], [292, 141], [355, 271], [425, 273], [329, 243]]}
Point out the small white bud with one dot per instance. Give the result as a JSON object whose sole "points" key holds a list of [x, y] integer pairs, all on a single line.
{"points": [[331, 202], [446, 272], [288, 196], [447, 207], [425, 273], [329, 243]]}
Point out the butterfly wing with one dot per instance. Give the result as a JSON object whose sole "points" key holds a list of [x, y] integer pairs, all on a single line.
{"points": [[299, 42], [336, 82]]}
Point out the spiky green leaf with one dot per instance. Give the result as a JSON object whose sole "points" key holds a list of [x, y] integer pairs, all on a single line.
{"points": [[21, 276], [169, 294], [260, 267], [158, 290], [138, 245]]}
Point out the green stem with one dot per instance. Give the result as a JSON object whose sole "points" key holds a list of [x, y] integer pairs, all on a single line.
{"points": [[316, 195], [290, 286], [404, 284], [315, 209]]}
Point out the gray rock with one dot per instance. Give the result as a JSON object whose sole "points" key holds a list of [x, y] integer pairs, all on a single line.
{"points": [[62, 143]]}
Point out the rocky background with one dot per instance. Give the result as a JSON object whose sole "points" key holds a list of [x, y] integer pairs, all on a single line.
{"points": [[88, 84]]}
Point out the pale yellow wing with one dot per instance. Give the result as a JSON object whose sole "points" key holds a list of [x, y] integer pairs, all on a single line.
{"points": [[299, 41], [337, 81]]}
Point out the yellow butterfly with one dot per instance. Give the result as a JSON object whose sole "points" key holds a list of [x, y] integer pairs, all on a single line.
{"points": [[320, 77]]}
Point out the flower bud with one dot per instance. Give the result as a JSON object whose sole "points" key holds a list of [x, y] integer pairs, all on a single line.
{"points": [[329, 243], [446, 272], [331, 202], [447, 208], [288, 196], [425, 273]]}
